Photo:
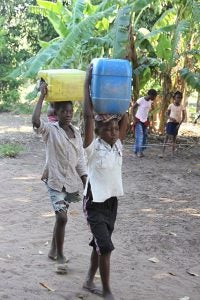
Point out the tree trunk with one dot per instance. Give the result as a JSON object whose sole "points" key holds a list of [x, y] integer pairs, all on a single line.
{"points": [[198, 103], [185, 102], [132, 56], [166, 96]]}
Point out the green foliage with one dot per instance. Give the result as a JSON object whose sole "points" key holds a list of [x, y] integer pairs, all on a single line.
{"points": [[192, 79], [71, 33], [120, 32], [79, 34], [163, 48], [19, 31], [10, 150]]}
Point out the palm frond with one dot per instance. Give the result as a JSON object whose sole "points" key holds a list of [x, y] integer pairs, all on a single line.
{"points": [[120, 32], [101, 41], [180, 29], [105, 4], [50, 6], [156, 32], [30, 68], [58, 24], [37, 10], [55, 12], [168, 17], [139, 5], [77, 12], [192, 79], [80, 33], [146, 62], [196, 12]]}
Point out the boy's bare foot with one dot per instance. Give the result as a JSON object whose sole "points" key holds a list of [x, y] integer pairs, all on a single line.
{"points": [[52, 254], [61, 269], [62, 260], [92, 288], [52, 257], [109, 296], [140, 154]]}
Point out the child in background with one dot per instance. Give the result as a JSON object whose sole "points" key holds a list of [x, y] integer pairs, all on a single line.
{"points": [[51, 116], [103, 186], [65, 162], [176, 115], [141, 123]]}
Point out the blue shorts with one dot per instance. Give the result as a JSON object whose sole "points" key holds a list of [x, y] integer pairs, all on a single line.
{"points": [[172, 128], [60, 200]]}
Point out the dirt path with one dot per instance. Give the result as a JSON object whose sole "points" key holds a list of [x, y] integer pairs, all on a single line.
{"points": [[158, 218]]}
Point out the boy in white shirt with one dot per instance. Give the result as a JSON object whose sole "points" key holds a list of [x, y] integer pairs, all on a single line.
{"points": [[141, 123], [176, 115], [104, 185]]}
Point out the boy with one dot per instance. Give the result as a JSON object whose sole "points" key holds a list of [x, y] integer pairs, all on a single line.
{"points": [[143, 106], [176, 115], [64, 161], [51, 116], [103, 186]]}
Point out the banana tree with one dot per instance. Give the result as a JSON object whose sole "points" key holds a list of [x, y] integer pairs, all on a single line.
{"points": [[166, 37], [74, 24]]}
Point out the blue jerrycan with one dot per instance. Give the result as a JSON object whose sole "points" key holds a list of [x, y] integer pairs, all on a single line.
{"points": [[111, 85]]}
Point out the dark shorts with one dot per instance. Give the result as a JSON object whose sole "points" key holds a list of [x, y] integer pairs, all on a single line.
{"points": [[172, 128], [101, 219]]}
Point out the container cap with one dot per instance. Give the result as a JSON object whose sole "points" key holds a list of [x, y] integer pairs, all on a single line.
{"points": [[111, 67]]}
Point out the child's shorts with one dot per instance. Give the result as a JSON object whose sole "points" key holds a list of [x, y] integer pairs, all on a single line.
{"points": [[101, 219], [172, 128], [60, 200]]}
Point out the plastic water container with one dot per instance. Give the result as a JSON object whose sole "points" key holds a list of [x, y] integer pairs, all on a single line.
{"points": [[63, 84], [111, 85]]}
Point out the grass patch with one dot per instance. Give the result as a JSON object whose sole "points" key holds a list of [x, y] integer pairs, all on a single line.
{"points": [[10, 150]]}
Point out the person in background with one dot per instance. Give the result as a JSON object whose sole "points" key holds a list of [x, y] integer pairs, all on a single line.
{"points": [[143, 106], [197, 117], [176, 115], [51, 116], [104, 185], [65, 161]]}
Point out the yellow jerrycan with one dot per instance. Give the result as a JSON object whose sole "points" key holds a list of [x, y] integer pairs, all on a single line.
{"points": [[63, 84]]}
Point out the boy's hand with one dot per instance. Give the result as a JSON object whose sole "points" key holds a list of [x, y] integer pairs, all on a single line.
{"points": [[89, 73], [43, 89], [173, 120]]}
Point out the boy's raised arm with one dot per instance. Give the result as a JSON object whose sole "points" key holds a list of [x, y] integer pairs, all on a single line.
{"points": [[88, 110], [123, 125], [37, 111]]}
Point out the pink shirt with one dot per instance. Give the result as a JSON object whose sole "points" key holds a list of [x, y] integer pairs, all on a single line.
{"points": [[176, 112], [144, 107]]}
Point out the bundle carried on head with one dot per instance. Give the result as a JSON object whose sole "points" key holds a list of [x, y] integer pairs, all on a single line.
{"points": [[105, 118]]}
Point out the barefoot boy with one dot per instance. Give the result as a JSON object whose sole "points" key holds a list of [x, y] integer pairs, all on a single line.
{"points": [[104, 185], [176, 115], [64, 163]]}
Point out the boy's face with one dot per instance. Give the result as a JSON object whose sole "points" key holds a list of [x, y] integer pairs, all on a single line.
{"points": [[177, 99], [151, 97], [65, 114], [109, 132]]}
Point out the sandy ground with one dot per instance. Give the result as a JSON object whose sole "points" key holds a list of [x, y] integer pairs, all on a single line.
{"points": [[158, 219]]}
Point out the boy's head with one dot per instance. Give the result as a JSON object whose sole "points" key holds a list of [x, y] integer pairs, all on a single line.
{"points": [[64, 111], [108, 130], [177, 98], [152, 94]]}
